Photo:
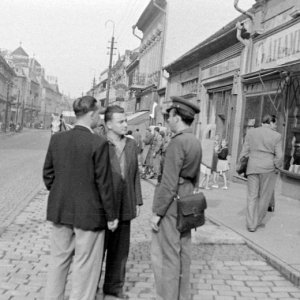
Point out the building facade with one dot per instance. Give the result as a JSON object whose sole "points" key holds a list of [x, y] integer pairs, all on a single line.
{"points": [[248, 69], [33, 97], [7, 76], [271, 82]]}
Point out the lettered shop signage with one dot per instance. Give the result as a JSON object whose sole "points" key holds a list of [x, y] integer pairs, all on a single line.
{"points": [[222, 68], [281, 48]]}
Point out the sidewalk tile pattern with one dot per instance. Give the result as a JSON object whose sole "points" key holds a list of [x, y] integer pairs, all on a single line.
{"points": [[218, 271]]}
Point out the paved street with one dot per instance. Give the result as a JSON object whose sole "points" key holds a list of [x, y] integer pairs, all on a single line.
{"points": [[219, 271], [21, 159]]}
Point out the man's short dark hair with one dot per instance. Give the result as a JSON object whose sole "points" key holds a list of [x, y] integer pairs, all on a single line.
{"points": [[137, 129], [267, 119], [156, 129], [129, 132], [110, 110], [83, 105], [185, 116]]}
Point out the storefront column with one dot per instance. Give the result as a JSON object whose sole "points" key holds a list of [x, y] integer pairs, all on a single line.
{"points": [[203, 113], [238, 127]]}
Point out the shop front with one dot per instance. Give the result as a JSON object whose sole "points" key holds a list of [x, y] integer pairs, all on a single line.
{"points": [[220, 94], [273, 87]]}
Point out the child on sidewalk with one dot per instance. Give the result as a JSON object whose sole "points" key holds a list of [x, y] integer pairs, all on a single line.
{"points": [[206, 172], [217, 147], [222, 165]]}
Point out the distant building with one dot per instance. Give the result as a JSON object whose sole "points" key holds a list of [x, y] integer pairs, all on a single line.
{"points": [[7, 76], [36, 96]]}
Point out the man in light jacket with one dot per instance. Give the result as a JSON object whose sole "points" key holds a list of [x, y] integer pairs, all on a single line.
{"points": [[263, 146]]}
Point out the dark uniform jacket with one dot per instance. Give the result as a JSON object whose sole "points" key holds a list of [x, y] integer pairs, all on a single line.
{"points": [[78, 175], [127, 190], [182, 163]]}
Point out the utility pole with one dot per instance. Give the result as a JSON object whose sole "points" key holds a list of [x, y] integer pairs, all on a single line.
{"points": [[110, 62]]}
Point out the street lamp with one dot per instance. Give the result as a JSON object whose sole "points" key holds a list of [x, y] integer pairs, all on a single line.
{"points": [[9, 83]]}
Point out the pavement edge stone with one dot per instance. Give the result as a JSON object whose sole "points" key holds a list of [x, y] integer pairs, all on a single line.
{"points": [[22, 205], [286, 270]]}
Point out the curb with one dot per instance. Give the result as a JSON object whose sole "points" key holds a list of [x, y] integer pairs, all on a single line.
{"points": [[20, 207], [282, 267], [285, 269]]}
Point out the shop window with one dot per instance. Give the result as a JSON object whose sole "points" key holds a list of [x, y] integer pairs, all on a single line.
{"points": [[292, 139], [138, 104], [258, 106], [219, 112]]}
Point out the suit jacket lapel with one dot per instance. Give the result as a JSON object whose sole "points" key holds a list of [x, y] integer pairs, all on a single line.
{"points": [[128, 154], [114, 159]]}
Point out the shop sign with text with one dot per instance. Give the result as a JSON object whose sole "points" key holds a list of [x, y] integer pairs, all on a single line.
{"points": [[281, 48], [222, 68]]}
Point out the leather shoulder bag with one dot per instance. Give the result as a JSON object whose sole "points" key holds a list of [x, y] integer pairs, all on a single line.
{"points": [[242, 166], [190, 211]]}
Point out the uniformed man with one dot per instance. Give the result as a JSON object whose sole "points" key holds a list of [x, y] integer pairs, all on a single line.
{"points": [[170, 249]]}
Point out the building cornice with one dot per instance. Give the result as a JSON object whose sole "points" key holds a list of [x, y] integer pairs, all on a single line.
{"points": [[149, 13], [222, 39]]}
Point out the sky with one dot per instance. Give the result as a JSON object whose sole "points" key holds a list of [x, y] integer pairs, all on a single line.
{"points": [[69, 38]]}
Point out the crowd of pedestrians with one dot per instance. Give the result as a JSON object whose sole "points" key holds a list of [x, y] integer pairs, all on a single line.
{"points": [[153, 149], [95, 192]]}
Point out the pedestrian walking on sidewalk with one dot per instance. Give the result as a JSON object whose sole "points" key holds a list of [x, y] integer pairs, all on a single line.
{"points": [[166, 137], [156, 150], [170, 249], [148, 154], [214, 163], [80, 205], [222, 165], [138, 138], [123, 153], [263, 146]]}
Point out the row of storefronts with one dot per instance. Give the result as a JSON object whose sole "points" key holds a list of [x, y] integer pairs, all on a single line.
{"points": [[237, 82], [246, 70]]}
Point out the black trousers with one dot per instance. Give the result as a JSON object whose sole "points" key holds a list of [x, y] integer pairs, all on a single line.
{"points": [[117, 251]]}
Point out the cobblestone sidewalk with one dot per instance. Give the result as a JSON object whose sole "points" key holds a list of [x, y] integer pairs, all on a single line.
{"points": [[219, 271]]}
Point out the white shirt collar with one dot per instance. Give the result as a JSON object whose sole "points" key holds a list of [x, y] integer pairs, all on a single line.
{"points": [[89, 128]]}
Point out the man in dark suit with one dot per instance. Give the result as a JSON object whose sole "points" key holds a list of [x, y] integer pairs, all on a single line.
{"points": [[123, 152], [80, 205], [263, 146]]}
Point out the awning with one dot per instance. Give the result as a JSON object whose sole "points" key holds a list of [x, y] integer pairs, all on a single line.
{"points": [[138, 118]]}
